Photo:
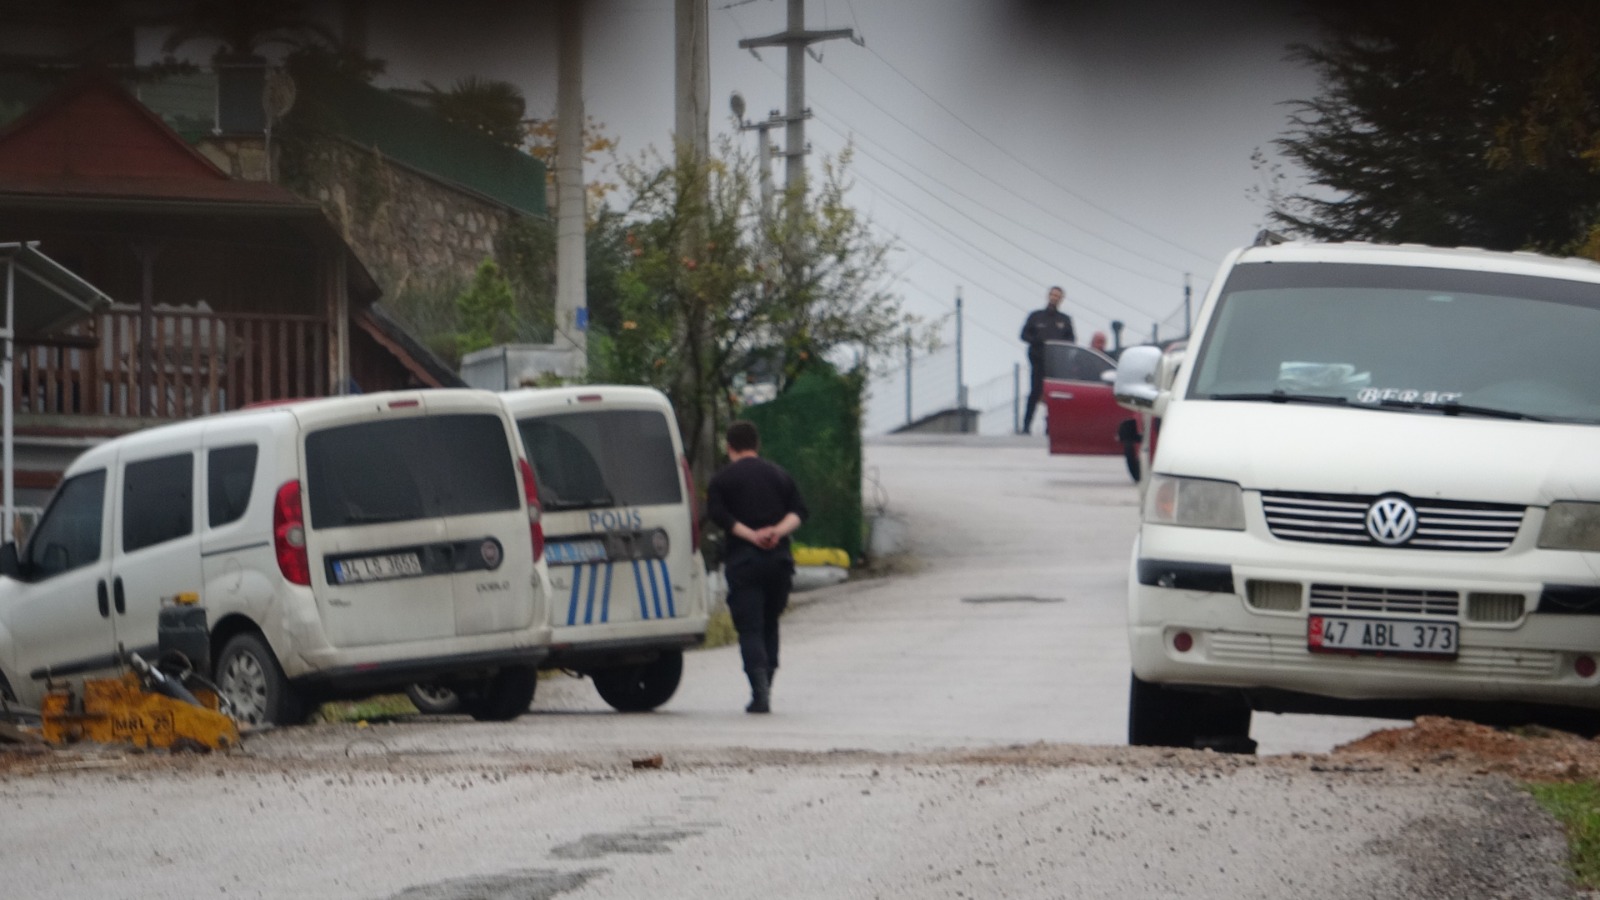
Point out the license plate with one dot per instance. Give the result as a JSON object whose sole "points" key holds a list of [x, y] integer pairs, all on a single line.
{"points": [[575, 552], [1339, 634], [377, 568]]}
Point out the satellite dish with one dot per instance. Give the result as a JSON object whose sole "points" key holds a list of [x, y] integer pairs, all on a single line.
{"points": [[736, 103]]}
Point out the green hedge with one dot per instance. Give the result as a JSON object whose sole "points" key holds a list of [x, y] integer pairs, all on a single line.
{"points": [[814, 430]]}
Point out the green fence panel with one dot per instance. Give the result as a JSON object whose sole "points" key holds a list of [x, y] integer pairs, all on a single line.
{"points": [[814, 431]]}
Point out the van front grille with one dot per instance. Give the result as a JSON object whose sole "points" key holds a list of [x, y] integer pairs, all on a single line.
{"points": [[1342, 519], [1343, 598]]}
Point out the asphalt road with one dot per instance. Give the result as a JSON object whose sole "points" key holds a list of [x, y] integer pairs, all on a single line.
{"points": [[951, 731]]}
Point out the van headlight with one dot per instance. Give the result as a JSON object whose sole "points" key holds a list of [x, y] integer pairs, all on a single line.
{"points": [[1194, 502], [1571, 525]]}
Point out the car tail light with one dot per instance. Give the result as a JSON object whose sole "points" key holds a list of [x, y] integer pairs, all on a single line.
{"points": [[289, 534], [694, 502], [530, 490]]}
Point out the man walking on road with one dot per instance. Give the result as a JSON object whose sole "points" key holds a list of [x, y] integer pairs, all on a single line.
{"points": [[756, 502], [1048, 324]]}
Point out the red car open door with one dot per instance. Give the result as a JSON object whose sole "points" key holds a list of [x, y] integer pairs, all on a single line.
{"points": [[1082, 416]]}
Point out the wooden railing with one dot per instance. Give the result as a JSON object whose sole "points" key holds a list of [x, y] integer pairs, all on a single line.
{"points": [[200, 362]]}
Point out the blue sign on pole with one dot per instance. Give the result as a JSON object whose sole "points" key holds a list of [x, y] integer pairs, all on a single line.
{"points": [[581, 318]]}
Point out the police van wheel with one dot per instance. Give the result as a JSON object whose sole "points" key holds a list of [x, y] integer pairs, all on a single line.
{"points": [[503, 697], [248, 675], [643, 687], [432, 699]]}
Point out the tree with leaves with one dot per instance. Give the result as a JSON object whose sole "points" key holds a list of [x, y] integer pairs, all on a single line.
{"points": [[1467, 122], [748, 293], [484, 105], [242, 28], [485, 311]]}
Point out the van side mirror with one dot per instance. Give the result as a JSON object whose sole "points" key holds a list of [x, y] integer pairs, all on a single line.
{"points": [[10, 565], [1137, 370]]}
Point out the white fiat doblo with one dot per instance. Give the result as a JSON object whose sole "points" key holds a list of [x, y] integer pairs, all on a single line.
{"points": [[340, 547], [1375, 492], [629, 583]]}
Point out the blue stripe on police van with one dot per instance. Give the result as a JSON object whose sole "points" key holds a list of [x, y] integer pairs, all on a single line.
{"points": [[655, 593], [644, 611], [588, 608], [666, 582], [605, 604], [572, 605]]}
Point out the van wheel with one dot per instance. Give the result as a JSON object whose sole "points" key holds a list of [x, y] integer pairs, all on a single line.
{"points": [[433, 699], [248, 675], [503, 697], [1161, 717], [643, 687]]}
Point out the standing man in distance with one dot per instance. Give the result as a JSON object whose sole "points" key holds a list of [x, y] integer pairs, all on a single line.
{"points": [[757, 503], [1048, 324]]}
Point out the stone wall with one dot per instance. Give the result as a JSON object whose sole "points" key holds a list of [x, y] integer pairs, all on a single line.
{"points": [[412, 232]]}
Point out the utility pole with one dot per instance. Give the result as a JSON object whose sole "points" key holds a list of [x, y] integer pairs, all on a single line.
{"points": [[961, 385], [796, 39], [1186, 319], [693, 79], [572, 310], [736, 103]]}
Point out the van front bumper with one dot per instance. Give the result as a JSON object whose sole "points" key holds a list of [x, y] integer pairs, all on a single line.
{"points": [[1197, 582]]}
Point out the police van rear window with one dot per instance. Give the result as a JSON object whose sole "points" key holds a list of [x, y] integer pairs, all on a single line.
{"points": [[603, 458], [399, 470]]}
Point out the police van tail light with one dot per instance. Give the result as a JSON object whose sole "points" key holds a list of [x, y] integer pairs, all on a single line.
{"points": [[694, 502], [530, 490], [289, 534]]}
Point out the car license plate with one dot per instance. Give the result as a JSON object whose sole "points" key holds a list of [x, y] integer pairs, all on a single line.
{"points": [[377, 568], [575, 552], [1394, 637]]}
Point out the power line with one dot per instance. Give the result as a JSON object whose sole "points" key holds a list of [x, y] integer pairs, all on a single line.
{"points": [[1010, 190], [1013, 157]]}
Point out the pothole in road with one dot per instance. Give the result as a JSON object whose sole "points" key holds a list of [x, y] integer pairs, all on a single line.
{"points": [[525, 884], [1012, 598]]}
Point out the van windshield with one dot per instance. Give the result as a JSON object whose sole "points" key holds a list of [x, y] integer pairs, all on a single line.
{"points": [[397, 470], [1421, 340], [603, 458]]}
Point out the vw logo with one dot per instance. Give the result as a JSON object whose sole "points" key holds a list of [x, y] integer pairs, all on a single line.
{"points": [[1391, 521]]}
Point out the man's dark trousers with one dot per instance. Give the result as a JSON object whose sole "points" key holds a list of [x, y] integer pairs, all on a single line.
{"points": [[758, 591], [1035, 391]]}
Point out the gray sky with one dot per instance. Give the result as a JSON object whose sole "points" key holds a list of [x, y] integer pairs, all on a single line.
{"points": [[1005, 145]]}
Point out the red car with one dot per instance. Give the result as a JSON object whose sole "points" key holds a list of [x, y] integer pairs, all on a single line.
{"points": [[1082, 417]]}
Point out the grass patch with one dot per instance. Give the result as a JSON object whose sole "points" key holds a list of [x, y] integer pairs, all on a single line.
{"points": [[1577, 805], [373, 709]]}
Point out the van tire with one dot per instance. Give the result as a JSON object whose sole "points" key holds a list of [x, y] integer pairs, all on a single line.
{"points": [[505, 696], [433, 699], [1162, 717], [643, 687], [249, 676]]}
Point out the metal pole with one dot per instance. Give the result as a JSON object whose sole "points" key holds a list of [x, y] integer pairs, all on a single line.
{"points": [[908, 378], [1016, 398], [794, 172], [1186, 292], [571, 332], [766, 166], [10, 462], [961, 386]]}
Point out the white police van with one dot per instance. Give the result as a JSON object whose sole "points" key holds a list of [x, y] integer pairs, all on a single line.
{"points": [[1374, 492], [619, 511], [340, 546]]}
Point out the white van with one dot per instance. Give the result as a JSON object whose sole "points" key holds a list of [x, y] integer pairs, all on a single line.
{"points": [[623, 539], [340, 546], [1375, 492]]}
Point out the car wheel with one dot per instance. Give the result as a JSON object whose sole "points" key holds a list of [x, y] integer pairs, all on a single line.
{"points": [[1162, 717], [643, 687], [433, 699], [505, 696], [249, 677]]}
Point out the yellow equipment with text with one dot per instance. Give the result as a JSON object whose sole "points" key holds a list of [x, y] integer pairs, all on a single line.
{"points": [[122, 710]]}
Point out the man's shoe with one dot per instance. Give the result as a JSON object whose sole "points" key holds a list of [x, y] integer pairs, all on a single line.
{"points": [[760, 692]]}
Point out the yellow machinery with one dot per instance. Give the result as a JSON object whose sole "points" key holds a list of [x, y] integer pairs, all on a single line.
{"points": [[147, 706], [125, 710]]}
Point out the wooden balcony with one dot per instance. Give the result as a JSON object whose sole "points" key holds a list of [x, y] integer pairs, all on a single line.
{"points": [[195, 362]]}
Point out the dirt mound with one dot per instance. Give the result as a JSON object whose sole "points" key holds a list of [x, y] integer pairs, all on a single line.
{"points": [[1529, 752]]}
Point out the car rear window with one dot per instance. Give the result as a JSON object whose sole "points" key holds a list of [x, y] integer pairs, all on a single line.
{"points": [[399, 470], [604, 458]]}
